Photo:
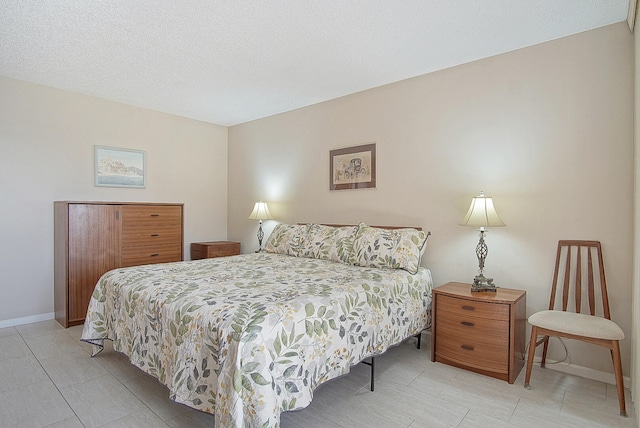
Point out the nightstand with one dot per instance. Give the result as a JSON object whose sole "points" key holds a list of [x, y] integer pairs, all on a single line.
{"points": [[479, 331], [207, 250]]}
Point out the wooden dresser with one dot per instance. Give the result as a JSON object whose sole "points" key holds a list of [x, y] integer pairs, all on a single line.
{"points": [[479, 331], [91, 238]]}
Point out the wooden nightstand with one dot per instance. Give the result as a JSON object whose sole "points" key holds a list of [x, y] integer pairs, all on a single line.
{"points": [[479, 331], [207, 250]]}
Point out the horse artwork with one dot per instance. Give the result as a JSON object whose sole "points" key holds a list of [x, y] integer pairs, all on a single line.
{"points": [[353, 167]]}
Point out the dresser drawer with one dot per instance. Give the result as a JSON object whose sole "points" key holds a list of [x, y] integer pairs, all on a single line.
{"points": [[151, 236], [151, 216], [132, 256], [473, 308]]}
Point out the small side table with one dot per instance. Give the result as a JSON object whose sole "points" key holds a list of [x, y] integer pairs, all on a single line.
{"points": [[479, 331], [207, 250]]}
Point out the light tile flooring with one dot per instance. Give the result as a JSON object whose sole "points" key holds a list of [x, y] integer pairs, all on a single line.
{"points": [[48, 379]]}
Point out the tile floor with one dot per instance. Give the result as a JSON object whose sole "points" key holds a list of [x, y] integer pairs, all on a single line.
{"points": [[47, 379]]}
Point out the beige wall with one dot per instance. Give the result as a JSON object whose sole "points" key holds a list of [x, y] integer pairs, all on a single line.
{"points": [[547, 131], [46, 154]]}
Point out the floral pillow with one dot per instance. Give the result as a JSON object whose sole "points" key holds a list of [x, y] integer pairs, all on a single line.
{"points": [[329, 243], [287, 239], [388, 248]]}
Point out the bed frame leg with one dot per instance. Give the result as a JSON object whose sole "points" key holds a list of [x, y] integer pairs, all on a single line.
{"points": [[373, 367], [371, 364]]}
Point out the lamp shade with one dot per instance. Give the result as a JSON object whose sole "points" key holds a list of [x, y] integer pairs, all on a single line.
{"points": [[482, 213], [260, 212]]}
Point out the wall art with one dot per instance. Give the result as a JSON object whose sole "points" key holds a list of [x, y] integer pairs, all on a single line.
{"points": [[117, 167], [353, 167]]}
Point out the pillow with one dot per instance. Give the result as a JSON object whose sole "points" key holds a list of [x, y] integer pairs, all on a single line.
{"points": [[388, 248], [286, 239], [329, 243]]}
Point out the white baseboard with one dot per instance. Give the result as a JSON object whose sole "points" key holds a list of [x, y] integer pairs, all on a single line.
{"points": [[581, 371], [27, 320]]}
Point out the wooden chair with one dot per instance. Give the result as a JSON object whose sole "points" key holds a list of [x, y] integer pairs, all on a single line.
{"points": [[596, 329]]}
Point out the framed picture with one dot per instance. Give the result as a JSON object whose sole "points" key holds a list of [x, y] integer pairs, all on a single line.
{"points": [[352, 167], [117, 167]]}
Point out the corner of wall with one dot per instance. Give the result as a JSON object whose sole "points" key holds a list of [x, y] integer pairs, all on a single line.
{"points": [[635, 352]]}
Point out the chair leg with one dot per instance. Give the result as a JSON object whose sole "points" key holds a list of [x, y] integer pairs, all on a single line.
{"points": [[545, 347], [532, 353], [617, 368]]}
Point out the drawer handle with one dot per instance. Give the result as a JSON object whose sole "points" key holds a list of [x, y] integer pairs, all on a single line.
{"points": [[155, 215], [468, 308], [155, 234], [467, 323], [467, 347], [155, 255]]}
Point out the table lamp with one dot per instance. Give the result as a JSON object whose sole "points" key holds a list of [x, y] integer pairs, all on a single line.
{"points": [[260, 212], [482, 214]]}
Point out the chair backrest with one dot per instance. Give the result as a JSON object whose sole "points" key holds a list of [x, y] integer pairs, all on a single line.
{"points": [[579, 272]]}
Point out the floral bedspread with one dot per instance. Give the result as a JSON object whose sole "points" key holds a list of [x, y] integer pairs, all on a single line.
{"points": [[250, 336]]}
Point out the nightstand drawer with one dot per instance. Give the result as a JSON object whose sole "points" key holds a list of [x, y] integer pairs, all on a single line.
{"points": [[476, 353], [471, 341], [206, 250], [473, 308], [463, 326]]}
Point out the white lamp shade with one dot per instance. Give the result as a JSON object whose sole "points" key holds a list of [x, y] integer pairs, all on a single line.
{"points": [[482, 213], [260, 212]]}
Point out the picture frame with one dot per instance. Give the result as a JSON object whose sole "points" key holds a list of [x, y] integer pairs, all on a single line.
{"points": [[353, 167], [118, 167]]}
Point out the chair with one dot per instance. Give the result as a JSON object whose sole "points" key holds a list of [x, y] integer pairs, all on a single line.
{"points": [[595, 329]]}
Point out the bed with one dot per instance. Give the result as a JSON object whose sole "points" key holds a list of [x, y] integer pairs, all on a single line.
{"points": [[250, 336]]}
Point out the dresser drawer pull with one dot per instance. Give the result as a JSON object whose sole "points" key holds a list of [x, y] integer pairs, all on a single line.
{"points": [[467, 323], [155, 255], [467, 347], [155, 215], [468, 308], [155, 234]]}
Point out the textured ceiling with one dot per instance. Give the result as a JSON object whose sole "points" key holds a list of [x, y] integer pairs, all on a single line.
{"points": [[233, 61]]}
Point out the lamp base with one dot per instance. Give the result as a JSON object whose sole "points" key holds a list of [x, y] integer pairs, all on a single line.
{"points": [[260, 238], [480, 283]]}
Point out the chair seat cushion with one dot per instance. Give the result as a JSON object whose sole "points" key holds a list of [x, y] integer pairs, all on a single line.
{"points": [[577, 324]]}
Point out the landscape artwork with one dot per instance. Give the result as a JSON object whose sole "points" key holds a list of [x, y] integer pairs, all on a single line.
{"points": [[117, 167]]}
